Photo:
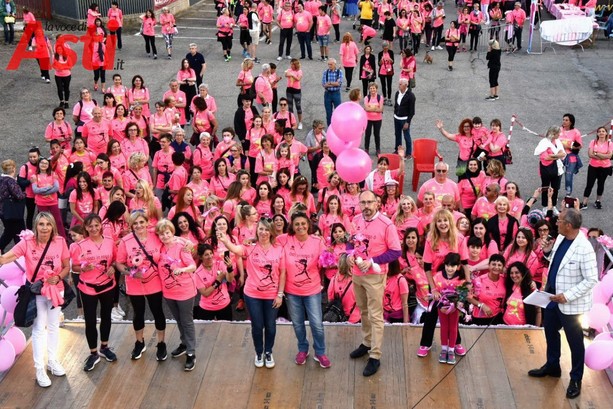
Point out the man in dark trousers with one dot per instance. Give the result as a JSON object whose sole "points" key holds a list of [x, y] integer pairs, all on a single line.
{"points": [[572, 275], [196, 62], [404, 110]]}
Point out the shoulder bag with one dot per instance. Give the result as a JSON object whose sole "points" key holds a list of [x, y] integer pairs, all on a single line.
{"points": [[334, 311], [25, 310]]}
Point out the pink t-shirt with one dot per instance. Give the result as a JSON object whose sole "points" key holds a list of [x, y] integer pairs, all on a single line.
{"points": [[483, 208], [291, 82], [262, 86], [381, 235], [491, 294], [32, 251], [374, 102], [336, 288], [285, 18], [219, 185], [448, 187], [604, 148], [176, 287], [201, 191], [267, 162], [45, 181], [129, 147], [302, 21], [203, 157], [131, 254], [101, 256], [516, 206], [324, 169], [436, 256], [84, 206], [149, 26], [178, 178], [244, 233], [514, 313], [465, 143], [327, 220], [61, 132], [442, 282], [324, 23], [204, 277], [264, 267], [83, 111], [116, 14], [395, 287], [302, 265], [162, 161], [265, 12], [351, 205], [467, 193], [349, 54]]}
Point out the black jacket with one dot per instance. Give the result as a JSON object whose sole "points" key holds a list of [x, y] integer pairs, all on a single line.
{"points": [[493, 58], [407, 105], [239, 122], [373, 65]]}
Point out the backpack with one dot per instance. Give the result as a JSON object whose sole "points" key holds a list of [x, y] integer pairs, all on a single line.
{"points": [[251, 92]]}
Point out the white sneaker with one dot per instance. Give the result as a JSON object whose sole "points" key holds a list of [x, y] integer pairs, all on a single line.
{"points": [[80, 318], [279, 58], [116, 316], [288, 57], [62, 319], [438, 47], [56, 368], [432, 48], [270, 361], [42, 378], [259, 360], [120, 310], [300, 125]]}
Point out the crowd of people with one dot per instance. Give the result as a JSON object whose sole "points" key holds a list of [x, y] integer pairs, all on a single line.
{"points": [[125, 201]]}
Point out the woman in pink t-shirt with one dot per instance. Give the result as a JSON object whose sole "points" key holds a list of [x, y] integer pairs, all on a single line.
{"points": [[176, 267], [187, 229], [221, 181], [350, 200], [119, 123], [55, 266], [144, 200], [94, 259], [332, 215], [518, 285], [185, 203], [264, 288], [470, 185], [396, 295], [59, 129], [349, 57], [516, 203], [303, 287], [45, 186], [488, 293], [263, 201], [373, 105], [300, 193], [167, 21], [571, 140], [341, 287], [522, 250], [83, 200], [139, 94], [266, 162], [148, 33], [203, 157], [442, 239], [463, 138], [80, 153], [246, 224], [412, 267], [404, 29], [452, 39], [600, 152], [496, 143], [212, 278], [405, 216]]}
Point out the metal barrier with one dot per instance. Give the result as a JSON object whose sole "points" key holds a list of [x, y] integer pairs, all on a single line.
{"points": [[77, 9], [503, 33]]}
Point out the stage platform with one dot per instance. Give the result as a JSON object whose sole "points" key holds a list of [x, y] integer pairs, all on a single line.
{"points": [[492, 375]]}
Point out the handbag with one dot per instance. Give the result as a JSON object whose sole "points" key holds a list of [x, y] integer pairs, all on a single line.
{"points": [[412, 82], [25, 310], [335, 311], [507, 156], [69, 294], [9, 19]]}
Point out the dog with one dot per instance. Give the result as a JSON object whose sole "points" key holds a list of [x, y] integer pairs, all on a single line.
{"points": [[428, 58]]}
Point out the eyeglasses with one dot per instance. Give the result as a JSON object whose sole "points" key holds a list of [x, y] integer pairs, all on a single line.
{"points": [[441, 171], [283, 105], [367, 202], [543, 229], [132, 130]]}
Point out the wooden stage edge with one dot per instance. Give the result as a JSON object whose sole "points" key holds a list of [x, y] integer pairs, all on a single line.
{"points": [[492, 375]]}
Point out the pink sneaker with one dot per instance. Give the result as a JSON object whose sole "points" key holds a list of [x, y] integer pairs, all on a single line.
{"points": [[301, 358], [423, 351], [459, 350], [323, 360]]}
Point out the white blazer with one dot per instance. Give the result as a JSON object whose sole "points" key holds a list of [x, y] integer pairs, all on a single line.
{"points": [[577, 275]]}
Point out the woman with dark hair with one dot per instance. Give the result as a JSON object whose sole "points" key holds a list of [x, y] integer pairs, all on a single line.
{"points": [[148, 33], [280, 224], [376, 180], [488, 293], [93, 13], [368, 68], [80, 153], [452, 38], [522, 250], [470, 185], [115, 14], [212, 278], [119, 122], [187, 228], [465, 142], [83, 200], [114, 224], [202, 121], [139, 94], [186, 77], [63, 73], [220, 183], [550, 151], [599, 151], [518, 284], [571, 140], [284, 185], [373, 105], [396, 295], [300, 193], [45, 187], [412, 267], [59, 129], [263, 200], [199, 186]]}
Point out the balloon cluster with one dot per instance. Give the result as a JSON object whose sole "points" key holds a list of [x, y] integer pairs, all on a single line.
{"points": [[599, 354], [12, 340], [344, 137]]}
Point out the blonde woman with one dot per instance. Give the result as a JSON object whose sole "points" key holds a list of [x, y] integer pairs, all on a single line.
{"points": [[136, 171], [406, 215], [145, 201]]}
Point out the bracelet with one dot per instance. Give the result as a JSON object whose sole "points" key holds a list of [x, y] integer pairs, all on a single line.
{"points": [[216, 284], [534, 198], [280, 294], [480, 305]]}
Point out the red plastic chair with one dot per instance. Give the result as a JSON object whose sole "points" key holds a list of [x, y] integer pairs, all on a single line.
{"points": [[394, 161], [424, 152]]}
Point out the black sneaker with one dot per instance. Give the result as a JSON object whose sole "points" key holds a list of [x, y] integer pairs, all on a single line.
{"points": [[181, 350], [583, 206], [91, 361], [161, 353], [139, 348], [597, 204], [108, 354], [371, 367], [190, 362]]}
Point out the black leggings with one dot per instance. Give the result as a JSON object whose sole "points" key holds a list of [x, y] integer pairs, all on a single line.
{"points": [[337, 32], [349, 76], [474, 38], [386, 86], [100, 73], [416, 40], [63, 87], [549, 177], [30, 209], [437, 36], [225, 314], [155, 305], [150, 44], [76, 279], [90, 306], [451, 50], [593, 174], [427, 334], [373, 126]]}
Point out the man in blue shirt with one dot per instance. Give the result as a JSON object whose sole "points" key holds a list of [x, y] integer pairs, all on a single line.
{"points": [[572, 275], [332, 80]]}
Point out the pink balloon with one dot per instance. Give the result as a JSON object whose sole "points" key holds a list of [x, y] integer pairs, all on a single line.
{"points": [[605, 336], [353, 165], [598, 317], [337, 145], [8, 299], [599, 355], [349, 121], [10, 270], [607, 285], [17, 338], [598, 295], [7, 355]]}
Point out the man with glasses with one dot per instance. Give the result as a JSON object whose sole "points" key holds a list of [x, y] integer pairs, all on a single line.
{"points": [[332, 81], [440, 185], [376, 244], [572, 275]]}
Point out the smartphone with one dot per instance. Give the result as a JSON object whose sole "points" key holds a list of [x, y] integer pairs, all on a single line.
{"points": [[570, 202], [226, 254]]}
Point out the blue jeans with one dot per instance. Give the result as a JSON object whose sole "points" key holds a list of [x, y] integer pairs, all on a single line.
{"points": [[553, 321], [332, 99], [263, 324], [305, 39], [569, 173], [298, 305], [399, 132]]}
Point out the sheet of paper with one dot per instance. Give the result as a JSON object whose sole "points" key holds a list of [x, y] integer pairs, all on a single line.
{"points": [[538, 298]]}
